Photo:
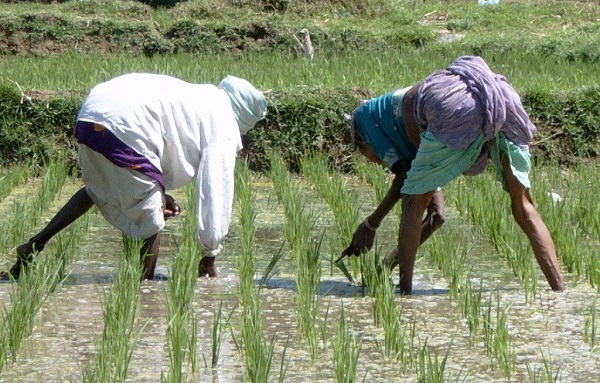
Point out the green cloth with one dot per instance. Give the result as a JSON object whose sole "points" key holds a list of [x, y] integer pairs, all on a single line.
{"points": [[436, 164], [520, 161]]}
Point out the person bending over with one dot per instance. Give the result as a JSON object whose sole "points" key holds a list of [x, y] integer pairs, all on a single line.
{"points": [[142, 134], [451, 123]]}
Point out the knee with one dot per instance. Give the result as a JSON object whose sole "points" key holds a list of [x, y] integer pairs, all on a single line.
{"points": [[438, 220], [525, 214]]}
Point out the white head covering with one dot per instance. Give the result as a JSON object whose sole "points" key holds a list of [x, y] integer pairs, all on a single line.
{"points": [[249, 104]]}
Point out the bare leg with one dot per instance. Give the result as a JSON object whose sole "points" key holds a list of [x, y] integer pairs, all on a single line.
{"points": [[78, 205], [149, 255], [435, 218], [528, 218]]}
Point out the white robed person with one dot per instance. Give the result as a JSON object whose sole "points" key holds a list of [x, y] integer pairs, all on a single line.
{"points": [[140, 135]]}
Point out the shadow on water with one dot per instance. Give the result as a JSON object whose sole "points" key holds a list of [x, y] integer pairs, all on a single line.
{"points": [[342, 288]]}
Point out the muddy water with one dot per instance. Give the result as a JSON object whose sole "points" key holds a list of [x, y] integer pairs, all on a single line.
{"points": [[70, 321]]}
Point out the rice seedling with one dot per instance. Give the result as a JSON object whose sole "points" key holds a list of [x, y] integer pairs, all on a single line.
{"points": [[379, 178], [497, 339], [323, 327], [373, 275], [305, 250], [17, 225], [548, 187], [344, 204], [590, 324], [258, 353], [40, 278], [387, 313], [499, 226], [586, 209], [114, 348], [67, 244], [27, 298], [27, 215], [271, 267], [544, 373], [290, 197], [593, 270], [218, 334], [430, 369], [308, 284], [284, 363], [52, 183], [469, 303], [444, 251], [182, 325], [346, 351]]}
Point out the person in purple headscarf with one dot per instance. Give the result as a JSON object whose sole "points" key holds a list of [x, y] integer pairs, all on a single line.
{"points": [[453, 122], [142, 134]]}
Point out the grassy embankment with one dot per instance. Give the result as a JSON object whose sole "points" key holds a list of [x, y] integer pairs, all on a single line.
{"points": [[53, 53]]}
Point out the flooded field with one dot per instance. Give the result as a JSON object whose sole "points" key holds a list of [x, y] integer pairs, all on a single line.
{"points": [[547, 337]]}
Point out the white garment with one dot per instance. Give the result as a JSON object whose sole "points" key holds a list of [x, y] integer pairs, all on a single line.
{"points": [[185, 130], [131, 201]]}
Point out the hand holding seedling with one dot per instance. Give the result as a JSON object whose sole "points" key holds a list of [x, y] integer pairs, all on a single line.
{"points": [[171, 208], [362, 240]]}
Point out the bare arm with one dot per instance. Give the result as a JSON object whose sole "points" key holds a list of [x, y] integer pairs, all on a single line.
{"points": [[389, 201], [530, 221], [364, 236]]}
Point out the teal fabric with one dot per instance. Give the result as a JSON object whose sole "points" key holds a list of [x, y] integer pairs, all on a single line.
{"points": [[379, 122], [436, 164], [520, 161]]}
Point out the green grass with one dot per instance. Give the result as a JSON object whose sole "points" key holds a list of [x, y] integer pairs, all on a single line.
{"points": [[551, 47], [379, 73]]}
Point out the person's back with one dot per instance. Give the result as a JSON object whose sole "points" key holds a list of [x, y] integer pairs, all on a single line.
{"points": [[166, 120], [142, 134]]}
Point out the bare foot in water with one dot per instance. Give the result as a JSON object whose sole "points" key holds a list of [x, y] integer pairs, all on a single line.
{"points": [[5, 276], [15, 271], [24, 257], [26, 250], [207, 267]]}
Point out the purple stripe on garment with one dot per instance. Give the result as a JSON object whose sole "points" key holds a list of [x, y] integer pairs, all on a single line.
{"points": [[101, 140]]}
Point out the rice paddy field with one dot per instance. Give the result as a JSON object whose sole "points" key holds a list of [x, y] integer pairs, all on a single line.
{"points": [[282, 310]]}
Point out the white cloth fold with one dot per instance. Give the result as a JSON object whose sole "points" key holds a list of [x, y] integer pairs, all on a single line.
{"points": [[186, 130]]}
